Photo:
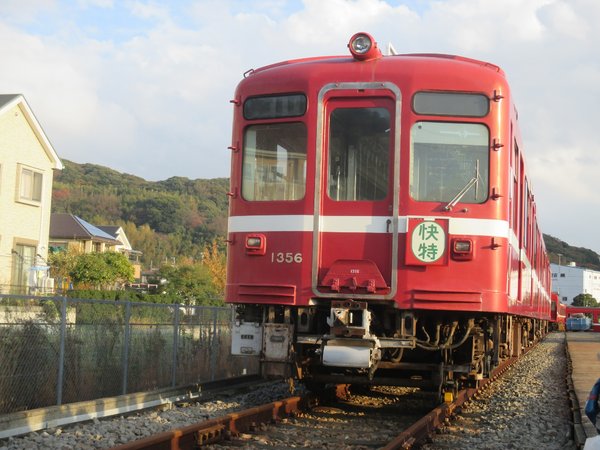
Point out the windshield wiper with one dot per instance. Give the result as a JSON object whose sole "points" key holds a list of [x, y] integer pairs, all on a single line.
{"points": [[472, 182]]}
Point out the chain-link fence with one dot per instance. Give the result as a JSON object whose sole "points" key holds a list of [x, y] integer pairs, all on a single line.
{"points": [[56, 350]]}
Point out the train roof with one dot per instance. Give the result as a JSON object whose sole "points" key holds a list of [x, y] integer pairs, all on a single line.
{"points": [[437, 71], [407, 59]]}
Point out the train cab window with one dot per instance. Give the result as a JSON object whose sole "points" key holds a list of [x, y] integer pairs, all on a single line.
{"points": [[449, 162], [274, 162], [359, 154]]}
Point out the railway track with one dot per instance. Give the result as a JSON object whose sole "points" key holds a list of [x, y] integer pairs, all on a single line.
{"points": [[389, 418]]}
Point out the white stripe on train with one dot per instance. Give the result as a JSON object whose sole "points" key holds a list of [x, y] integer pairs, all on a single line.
{"points": [[360, 224]]}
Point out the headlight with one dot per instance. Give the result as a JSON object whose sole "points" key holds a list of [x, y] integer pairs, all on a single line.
{"points": [[361, 44], [363, 47]]}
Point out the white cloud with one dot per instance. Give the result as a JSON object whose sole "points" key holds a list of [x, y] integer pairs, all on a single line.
{"points": [[149, 11], [562, 19], [25, 11]]}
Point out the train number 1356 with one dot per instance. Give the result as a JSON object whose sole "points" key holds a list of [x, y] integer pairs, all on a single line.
{"points": [[287, 258]]}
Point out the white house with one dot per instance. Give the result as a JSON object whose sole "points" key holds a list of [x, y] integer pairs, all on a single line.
{"points": [[27, 162], [570, 281]]}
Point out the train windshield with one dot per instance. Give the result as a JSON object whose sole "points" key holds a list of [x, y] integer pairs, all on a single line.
{"points": [[274, 166], [449, 162], [359, 154]]}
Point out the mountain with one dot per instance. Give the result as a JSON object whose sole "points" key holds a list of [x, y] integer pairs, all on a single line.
{"points": [[582, 257], [166, 219]]}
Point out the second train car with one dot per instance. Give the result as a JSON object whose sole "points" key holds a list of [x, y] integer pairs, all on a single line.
{"points": [[382, 224]]}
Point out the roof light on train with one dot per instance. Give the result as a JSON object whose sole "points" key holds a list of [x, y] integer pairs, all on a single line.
{"points": [[363, 47]]}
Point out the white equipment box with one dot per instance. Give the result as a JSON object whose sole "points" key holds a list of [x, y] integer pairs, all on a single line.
{"points": [[246, 339]]}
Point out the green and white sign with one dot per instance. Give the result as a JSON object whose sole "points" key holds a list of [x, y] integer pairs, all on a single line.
{"points": [[428, 241]]}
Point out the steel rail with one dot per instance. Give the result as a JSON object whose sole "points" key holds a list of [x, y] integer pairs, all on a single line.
{"points": [[214, 430]]}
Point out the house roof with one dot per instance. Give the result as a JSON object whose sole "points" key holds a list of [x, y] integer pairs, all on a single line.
{"points": [[69, 226], [8, 102], [110, 229]]}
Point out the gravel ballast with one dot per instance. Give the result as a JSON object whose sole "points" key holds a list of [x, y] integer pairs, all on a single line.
{"points": [[528, 408]]}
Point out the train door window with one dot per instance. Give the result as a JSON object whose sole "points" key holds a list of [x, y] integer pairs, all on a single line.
{"points": [[449, 161], [359, 154], [274, 162]]}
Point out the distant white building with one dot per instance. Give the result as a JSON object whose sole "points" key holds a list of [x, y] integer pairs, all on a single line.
{"points": [[570, 281]]}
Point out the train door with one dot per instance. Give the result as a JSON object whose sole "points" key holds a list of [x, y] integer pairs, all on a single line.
{"points": [[355, 246]]}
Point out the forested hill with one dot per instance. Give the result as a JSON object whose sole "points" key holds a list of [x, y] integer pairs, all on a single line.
{"points": [[582, 257], [166, 219]]}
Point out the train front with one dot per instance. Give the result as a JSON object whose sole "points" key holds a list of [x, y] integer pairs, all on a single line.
{"points": [[342, 218]]}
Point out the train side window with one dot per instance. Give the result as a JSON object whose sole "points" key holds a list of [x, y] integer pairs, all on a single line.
{"points": [[448, 161], [359, 154], [274, 162]]}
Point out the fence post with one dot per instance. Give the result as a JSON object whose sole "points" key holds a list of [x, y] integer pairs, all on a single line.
{"points": [[61, 351], [126, 339], [214, 346], [175, 346]]}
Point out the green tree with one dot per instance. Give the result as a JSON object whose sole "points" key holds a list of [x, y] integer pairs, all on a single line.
{"points": [[191, 284], [585, 300], [101, 270], [61, 264], [163, 212], [120, 268]]}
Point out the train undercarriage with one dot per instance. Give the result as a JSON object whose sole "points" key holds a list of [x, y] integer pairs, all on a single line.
{"points": [[365, 343]]}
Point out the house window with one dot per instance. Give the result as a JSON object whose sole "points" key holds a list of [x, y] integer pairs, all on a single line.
{"points": [[23, 259], [562, 275], [30, 185]]}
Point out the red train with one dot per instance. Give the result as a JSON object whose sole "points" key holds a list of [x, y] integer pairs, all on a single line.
{"points": [[382, 225]]}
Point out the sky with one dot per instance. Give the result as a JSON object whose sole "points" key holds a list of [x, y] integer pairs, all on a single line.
{"points": [[143, 87]]}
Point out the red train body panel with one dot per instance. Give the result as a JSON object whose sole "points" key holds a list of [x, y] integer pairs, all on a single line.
{"points": [[382, 203]]}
